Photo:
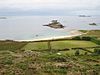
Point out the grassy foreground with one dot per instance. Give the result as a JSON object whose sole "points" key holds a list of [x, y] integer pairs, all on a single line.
{"points": [[66, 57], [48, 63]]}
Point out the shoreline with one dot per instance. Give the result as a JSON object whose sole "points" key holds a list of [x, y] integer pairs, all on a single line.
{"points": [[72, 34]]}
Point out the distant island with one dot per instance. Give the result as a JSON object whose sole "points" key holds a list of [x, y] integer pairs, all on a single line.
{"points": [[55, 24], [3, 17], [92, 24], [84, 16]]}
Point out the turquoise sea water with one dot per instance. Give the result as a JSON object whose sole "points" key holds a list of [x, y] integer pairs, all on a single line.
{"points": [[31, 27]]}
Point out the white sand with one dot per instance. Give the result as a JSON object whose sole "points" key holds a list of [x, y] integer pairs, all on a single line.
{"points": [[73, 33]]}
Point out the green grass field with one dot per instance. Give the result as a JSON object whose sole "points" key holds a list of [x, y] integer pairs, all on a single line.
{"points": [[71, 44], [36, 46], [58, 45], [94, 33]]}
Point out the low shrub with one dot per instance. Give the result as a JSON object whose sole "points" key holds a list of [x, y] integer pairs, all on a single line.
{"points": [[77, 53]]}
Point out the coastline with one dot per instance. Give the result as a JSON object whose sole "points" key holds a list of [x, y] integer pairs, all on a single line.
{"points": [[72, 34]]}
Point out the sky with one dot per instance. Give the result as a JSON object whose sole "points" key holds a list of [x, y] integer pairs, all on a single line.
{"points": [[49, 7]]}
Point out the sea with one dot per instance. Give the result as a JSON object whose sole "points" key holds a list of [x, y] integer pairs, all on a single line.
{"points": [[31, 27]]}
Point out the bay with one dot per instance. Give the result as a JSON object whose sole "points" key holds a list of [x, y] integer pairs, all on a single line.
{"points": [[31, 27]]}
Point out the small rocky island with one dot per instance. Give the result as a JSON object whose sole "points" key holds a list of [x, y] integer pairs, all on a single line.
{"points": [[55, 24], [92, 24], [84, 16], [3, 17]]}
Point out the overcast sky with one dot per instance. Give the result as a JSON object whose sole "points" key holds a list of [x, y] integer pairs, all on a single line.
{"points": [[49, 7]]}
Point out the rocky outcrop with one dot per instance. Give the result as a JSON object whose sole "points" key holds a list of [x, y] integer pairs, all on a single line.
{"points": [[55, 24]]}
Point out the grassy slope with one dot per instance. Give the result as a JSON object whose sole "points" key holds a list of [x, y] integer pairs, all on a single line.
{"points": [[36, 46], [95, 33], [45, 63], [11, 45], [59, 45]]}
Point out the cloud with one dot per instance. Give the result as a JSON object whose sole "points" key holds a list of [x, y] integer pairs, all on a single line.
{"points": [[44, 5], [27, 4]]}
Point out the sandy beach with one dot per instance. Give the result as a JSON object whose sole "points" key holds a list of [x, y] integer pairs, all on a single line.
{"points": [[72, 34]]}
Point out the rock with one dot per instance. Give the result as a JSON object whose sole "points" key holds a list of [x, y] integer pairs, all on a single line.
{"points": [[92, 24], [55, 24]]}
